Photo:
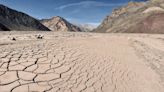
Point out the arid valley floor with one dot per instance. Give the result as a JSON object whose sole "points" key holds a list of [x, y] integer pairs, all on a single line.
{"points": [[81, 62]]}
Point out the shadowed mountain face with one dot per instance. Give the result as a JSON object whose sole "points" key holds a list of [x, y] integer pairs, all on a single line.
{"points": [[136, 17], [59, 24], [3, 28], [14, 20]]}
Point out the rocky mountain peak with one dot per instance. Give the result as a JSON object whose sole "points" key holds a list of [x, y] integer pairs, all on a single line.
{"points": [[58, 23], [56, 18]]}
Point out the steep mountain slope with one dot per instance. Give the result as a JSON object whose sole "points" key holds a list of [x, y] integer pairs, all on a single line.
{"points": [[59, 24], [13, 20], [3, 28], [136, 17]]}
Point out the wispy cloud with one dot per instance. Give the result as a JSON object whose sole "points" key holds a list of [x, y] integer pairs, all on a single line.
{"points": [[85, 4]]}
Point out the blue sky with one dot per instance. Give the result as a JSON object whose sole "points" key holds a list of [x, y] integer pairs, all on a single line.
{"points": [[79, 11]]}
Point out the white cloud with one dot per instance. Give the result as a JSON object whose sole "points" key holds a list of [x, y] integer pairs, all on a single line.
{"points": [[86, 4]]}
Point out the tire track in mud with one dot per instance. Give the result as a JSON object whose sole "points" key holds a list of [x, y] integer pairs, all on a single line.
{"points": [[153, 56]]}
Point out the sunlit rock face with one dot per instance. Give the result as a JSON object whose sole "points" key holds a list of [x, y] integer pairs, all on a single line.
{"points": [[59, 24], [135, 17]]}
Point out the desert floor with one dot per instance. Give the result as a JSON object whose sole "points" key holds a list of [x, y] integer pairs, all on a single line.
{"points": [[81, 62]]}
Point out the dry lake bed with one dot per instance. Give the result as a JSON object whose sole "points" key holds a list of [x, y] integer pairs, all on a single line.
{"points": [[81, 62]]}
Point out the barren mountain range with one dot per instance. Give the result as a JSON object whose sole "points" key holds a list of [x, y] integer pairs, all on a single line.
{"points": [[13, 20], [60, 24], [136, 17], [18, 21]]}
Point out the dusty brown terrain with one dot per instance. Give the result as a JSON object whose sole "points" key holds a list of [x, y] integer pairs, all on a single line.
{"points": [[81, 62]]}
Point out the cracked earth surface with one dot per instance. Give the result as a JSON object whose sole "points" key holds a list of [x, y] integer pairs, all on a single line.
{"points": [[82, 62]]}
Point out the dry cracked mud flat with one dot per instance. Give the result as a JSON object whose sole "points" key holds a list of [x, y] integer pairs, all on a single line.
{"points": [[81, 62]]}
